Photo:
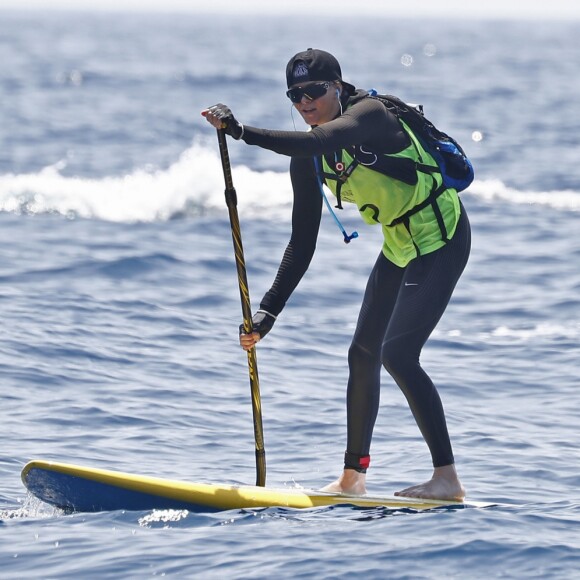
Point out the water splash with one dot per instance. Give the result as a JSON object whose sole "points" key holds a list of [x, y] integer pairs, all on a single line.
{"points": [[31, 507]]}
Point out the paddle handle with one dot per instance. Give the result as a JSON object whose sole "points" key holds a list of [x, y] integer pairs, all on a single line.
{"points": [[232, 202]]}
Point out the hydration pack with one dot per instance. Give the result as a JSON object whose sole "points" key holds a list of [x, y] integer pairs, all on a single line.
{"points": [[454, 165]]}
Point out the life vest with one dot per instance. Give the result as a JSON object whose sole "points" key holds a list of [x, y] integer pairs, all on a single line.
{"points": [[403, 192]]}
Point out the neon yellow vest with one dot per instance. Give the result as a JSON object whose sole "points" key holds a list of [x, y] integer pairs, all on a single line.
{"points": [[383, 200]]}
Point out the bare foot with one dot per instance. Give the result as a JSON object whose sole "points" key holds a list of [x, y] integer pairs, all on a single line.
{"points": [[443, 485], [351, 482]]}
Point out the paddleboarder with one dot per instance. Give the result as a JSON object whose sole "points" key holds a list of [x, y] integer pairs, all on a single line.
{"points": [[366, 156]]}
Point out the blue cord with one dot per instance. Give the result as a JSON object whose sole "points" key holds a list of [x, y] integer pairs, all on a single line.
{"points": [[346, 237]]}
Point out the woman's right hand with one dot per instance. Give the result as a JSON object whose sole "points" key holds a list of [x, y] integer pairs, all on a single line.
{"points": [[262, 323], [249, 341]]}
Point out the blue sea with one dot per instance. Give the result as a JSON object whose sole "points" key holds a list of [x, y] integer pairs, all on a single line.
{"points": [[120, 305]]}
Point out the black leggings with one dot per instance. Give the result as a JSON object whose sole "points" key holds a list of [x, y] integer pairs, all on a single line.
{"points": [[401, 307]]}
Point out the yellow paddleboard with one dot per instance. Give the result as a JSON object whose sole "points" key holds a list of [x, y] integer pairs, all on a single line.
{"points": [[75, 488]]}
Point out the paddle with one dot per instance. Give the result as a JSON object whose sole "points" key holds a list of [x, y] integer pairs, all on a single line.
{"points": [[231, 202]]}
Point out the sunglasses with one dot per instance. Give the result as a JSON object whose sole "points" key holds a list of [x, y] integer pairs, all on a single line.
{"points": [[311, 92]]}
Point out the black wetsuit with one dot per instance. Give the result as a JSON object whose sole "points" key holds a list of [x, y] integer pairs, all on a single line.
{"points": [[401, 305]]}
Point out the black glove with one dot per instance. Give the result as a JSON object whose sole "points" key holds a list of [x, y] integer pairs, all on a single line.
{"points": [[262, 323], [231, 126]]}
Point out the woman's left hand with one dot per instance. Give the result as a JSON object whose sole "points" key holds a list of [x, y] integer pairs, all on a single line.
{"points": [[221, 117]]}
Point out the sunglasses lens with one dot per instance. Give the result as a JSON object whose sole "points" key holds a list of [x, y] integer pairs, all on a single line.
{"points": [[295, 95], [312, 92]]}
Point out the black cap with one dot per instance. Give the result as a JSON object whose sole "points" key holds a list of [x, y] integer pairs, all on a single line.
{"points": [[315, 65]]}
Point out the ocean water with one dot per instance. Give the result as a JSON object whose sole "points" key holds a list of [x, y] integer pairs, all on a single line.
{"points": [[120, 305]]}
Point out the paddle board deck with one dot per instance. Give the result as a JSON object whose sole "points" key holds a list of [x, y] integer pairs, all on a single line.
{"points": [[75, 488]]}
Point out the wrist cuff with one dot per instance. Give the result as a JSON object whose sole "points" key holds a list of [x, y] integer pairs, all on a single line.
{"points": [[268, 313]]}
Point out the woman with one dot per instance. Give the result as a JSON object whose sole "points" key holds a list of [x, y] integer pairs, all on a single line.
{"points": [[363, 152]]}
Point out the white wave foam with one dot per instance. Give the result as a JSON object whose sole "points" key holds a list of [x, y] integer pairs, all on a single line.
{"points": [[543, 330], [163, 517], [193, 185], [493, 190]]}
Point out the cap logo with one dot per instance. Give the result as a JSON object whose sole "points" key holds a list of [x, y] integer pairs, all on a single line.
{"points": [[300, 71]]}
